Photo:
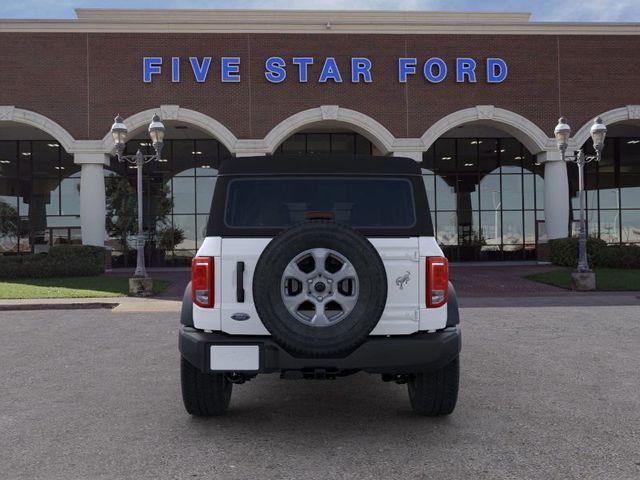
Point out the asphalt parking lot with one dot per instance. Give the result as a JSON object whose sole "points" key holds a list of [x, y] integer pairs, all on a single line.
{"points": [[545, 393]]}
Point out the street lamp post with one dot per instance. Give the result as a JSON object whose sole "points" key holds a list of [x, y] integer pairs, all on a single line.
{"points": [[156, 132], [598, 133]]}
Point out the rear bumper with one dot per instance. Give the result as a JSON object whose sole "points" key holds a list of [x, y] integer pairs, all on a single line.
{"points": [[420, 352]]}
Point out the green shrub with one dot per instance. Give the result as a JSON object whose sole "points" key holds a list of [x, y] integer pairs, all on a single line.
{"points": [[618, 256], [61, 261], [564, 251]]}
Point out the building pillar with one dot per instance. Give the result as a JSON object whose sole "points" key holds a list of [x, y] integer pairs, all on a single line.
{"points": [[414, 155], [93, 203], [556, 194]]}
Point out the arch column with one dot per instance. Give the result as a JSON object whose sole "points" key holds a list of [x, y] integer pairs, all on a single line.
{"points": [[93, 202], [556, 194]]}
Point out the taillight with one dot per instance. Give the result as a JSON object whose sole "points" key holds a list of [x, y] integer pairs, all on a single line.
{"points": [[202, 291], [437, 281]]}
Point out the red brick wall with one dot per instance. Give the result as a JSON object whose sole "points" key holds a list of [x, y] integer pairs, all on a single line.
{"points": [[82, 80]]}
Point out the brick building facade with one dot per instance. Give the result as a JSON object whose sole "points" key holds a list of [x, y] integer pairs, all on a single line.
{"points": [[64, 80]]}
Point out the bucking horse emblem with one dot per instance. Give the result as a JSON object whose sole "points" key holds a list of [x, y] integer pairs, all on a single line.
{"points": [[403, 280]]}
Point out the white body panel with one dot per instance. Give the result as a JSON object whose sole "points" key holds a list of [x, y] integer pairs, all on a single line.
{"points": [[403, 258]]}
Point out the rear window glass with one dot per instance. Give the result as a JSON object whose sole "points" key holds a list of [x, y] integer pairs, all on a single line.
{"points": [[284, 201]]}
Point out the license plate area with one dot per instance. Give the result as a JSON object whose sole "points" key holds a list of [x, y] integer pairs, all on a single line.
{"points": [[234, 358]]}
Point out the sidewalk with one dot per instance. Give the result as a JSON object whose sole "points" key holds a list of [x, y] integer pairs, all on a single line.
{"points": [[115, 304], [477, 286]]}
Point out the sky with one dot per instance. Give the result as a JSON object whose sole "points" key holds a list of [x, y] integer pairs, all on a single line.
{"points": [[542, 10]]}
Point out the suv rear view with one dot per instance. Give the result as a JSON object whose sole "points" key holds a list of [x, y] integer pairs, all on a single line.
{"points": [[319, 268]]}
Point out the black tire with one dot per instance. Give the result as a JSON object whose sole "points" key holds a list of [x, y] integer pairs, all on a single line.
{"points": [[204, 394], [334, 340], [436, 393]]}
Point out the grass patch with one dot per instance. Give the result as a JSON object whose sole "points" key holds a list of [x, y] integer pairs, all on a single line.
{"points": [[607, 279], [70, 287]]}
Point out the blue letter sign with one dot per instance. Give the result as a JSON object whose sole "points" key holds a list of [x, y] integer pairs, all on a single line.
{"points": [[406, 66], [200, 71], [330, 71], [230, 69], [434, 69], [360, 67], [496, 70], [151, 66], [275, 69], [440, 65], [303, 67], [465, 67]]}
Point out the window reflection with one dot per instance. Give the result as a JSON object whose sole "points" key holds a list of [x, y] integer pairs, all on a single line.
{"points": [[39, 196], [187, 176], [338, 143], [486, 204], [612, 191]]}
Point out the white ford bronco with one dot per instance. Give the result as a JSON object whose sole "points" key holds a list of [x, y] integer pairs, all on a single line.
{"points": [[317, 268]]}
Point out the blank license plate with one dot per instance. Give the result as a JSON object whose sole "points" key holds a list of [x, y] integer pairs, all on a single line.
{"points": [[235, 357]]}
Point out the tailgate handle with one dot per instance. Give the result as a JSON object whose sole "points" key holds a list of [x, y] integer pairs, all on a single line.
{"points": [[240, 282]]}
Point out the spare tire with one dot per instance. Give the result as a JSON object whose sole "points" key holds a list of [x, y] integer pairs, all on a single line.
{"points": [[319, 289]]}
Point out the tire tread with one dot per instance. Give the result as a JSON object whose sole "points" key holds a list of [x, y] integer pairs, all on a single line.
{"points": [[204, 394], [433, 394]]}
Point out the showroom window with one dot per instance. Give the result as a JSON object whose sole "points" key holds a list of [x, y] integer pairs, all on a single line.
{"points": [[39, 196], [177, 199], [485, 196], [612, 192], [337, 143]]}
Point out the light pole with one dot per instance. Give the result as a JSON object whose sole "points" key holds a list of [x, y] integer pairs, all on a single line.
{"points": [[598, 133], [156, 132]]}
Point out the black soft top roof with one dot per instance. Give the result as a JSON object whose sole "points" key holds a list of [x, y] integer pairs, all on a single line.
{"points": [[320, 164]]}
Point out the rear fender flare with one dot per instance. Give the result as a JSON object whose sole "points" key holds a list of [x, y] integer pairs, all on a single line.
{"points": [[186, 313], [453, 313]]}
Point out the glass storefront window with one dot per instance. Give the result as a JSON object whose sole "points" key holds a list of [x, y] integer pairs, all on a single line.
{"points": [[187, 175], [630, 223], [70, 196], [512, 228], [512, 192], [612, 189], [447, 228], [610, 226], [490, 189], [318, 143], [8, 159], [204, 194], [39, 195], [485, 203], [183, 195], [295, 144], [445, 195]]}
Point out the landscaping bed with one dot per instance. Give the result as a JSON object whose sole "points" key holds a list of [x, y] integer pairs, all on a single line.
{"points": [[607, 279], [71, 287]]}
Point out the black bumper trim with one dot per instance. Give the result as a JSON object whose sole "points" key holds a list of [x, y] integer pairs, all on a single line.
{"points": [[400, 354]]}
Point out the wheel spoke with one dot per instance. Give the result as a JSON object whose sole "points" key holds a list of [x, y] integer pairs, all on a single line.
{"points": [[293, 302], [346, 302], [293, 271], [320, 318], [347, 271], [319, 259]]}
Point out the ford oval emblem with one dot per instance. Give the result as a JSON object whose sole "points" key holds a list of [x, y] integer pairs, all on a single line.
{"points": [[240, 317]]}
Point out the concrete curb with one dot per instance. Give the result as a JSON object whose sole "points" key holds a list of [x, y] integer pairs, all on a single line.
{"points": [[57, 306]]}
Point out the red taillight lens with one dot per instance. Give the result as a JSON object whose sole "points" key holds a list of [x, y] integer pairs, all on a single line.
{"points": [[202, 292], [437, 281]]}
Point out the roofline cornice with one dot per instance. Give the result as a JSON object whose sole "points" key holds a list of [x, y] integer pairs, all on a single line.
{"points": [[311, 22]]}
